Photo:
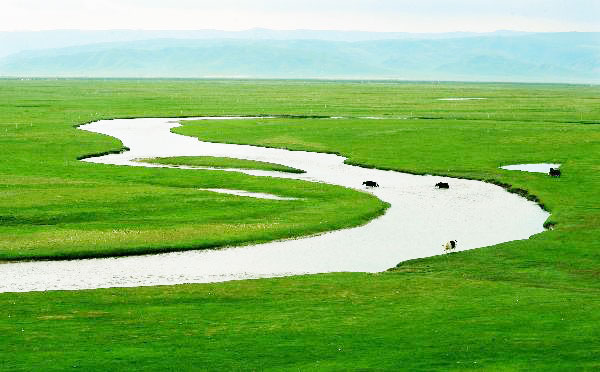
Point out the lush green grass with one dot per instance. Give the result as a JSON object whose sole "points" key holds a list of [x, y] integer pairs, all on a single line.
{"points": [[222, 163], [462, 148], [531, 304], [441, 318], [54, 206]]}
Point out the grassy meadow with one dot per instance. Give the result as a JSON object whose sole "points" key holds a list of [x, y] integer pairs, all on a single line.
{"points": [[221, 163], [532, 304], [54, 206]]}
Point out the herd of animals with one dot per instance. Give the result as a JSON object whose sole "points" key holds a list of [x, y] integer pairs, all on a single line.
{"points": [[451, 244]]}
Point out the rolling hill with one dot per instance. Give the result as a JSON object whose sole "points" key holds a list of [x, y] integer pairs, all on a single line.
{"points": [[527, 57]]}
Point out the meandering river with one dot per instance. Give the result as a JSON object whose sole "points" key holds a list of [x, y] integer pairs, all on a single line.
{"points": [[420, 220]]}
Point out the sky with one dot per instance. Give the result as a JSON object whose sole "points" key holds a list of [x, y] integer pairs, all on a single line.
{"points": [[363, 15]]}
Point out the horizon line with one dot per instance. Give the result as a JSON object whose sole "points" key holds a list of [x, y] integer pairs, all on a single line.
{"points": [[295, 29]]}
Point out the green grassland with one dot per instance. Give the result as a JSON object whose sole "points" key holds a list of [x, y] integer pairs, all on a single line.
{"points": [[456, 147], [55, 206], [531, 304], [222, 163]]}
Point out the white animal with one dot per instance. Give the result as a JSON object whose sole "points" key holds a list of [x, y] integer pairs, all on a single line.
{"points": [[450, 245]]}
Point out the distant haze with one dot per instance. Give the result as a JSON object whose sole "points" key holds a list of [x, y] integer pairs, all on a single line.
{"points": [[13, 42], [500, 56], [367, 15]]}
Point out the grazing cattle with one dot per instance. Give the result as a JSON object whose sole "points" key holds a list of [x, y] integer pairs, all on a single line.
{"points": [[554, 172], [442, 185], [450, 246], [370, 184]]}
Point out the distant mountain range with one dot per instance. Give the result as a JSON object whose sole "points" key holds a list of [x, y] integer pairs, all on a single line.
{"points": [[501, 56], [13, 42]]}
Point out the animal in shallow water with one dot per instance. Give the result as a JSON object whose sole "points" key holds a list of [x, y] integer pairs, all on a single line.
{"points": [[450, 245], [554, 172], [370, 184], [442, 185]]}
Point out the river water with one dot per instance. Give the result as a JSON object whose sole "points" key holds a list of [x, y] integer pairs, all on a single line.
{"points": [[420, 220]]}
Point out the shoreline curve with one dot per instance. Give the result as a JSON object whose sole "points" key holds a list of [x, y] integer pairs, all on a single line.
{"points": [[419, 220]]}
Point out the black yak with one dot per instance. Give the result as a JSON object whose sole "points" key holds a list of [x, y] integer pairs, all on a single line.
{"points": [[554, 172], [370, 184], [442, 185]]}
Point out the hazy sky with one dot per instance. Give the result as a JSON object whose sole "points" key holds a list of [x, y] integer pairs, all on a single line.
{"points": [[373, 15]]}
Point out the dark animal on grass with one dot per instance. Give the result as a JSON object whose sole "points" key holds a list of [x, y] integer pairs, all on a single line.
{"points": [[554, 172], [450, 245], [370, 184], [442, 185]]}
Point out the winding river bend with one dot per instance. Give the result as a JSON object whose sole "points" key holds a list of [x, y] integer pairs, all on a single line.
{"points": [[420, 219]]}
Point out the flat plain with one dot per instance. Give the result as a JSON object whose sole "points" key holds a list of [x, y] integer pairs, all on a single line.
{"points": [[530, 304]]}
